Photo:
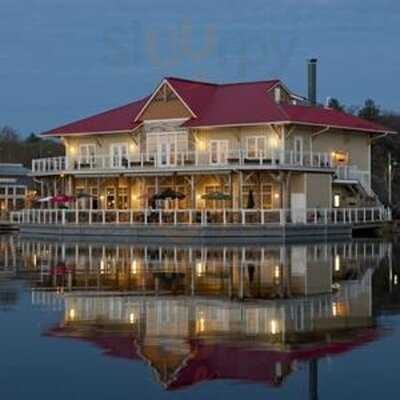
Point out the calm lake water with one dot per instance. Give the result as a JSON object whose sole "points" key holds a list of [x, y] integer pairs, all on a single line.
{"points": [[83, 319]]}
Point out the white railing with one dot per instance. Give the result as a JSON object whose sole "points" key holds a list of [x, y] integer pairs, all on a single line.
{"points": [[201, 217], [353, 173], [188, 160]]}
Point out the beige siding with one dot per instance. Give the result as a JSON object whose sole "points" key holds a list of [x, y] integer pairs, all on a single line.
{"points": [[302, 132], [102, 143], [165, 109], [356, 144], [236, 136], [318, 190]]}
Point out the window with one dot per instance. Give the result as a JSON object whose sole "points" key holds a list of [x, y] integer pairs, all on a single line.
{"points": [[10, 191], [298, 150], [20, 191], [166, 145], [87, 154], [119, 155], [94, 199], [110, 198], [266, 196], [340, 157], [256, 146], [219, 151], [246, 195], [122, 198]]}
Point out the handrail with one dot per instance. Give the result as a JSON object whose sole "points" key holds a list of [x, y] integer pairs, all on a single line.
{"points": [[187, 159], [202, 217]]}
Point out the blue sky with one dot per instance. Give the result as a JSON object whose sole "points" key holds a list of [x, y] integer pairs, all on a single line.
{"points": [[64, 59]]}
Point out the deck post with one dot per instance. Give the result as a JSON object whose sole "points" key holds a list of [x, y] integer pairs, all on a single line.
{"points": [[76, 216], [63, 217], [282, 216]]}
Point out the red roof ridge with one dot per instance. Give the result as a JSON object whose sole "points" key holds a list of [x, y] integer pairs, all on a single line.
{"points": [[191, 81], [271, 81], [219, 84]]}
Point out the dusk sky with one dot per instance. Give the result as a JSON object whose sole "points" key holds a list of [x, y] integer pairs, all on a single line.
{"points": [[61, 60]]}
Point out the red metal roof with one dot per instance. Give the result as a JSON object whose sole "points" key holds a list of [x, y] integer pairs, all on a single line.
{"points": [[118, 119], [327, 116], [223, 105]]}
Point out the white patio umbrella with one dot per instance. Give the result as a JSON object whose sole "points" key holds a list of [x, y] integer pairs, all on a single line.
{"points": [[45, 199]]}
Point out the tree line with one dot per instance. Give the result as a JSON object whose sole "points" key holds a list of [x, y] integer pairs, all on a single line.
{"points": [[14, 148]]}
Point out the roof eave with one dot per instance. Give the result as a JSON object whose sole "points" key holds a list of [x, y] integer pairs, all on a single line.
{"points": [[288, 122], [61, 134]]}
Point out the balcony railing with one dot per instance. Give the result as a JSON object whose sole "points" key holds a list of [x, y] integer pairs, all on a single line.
{"points": [[183, 160], [353, 173], [201, 217]]}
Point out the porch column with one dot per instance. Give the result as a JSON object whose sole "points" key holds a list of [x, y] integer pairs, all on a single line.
{"points": [[69, 186], [129, 192], [116, 184], [240, 189], [193, 189]]}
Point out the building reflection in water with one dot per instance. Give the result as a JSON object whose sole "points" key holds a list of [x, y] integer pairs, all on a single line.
{"points": [[202, 312]]}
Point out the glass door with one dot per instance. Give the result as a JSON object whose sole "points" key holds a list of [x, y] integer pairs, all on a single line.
{"points": [[298, 150], [167, 151], [119, 155], [219, 152], [87, 155]]}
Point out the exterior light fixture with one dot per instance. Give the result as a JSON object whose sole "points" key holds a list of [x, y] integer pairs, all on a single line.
{"points": [[337, 263], [134, 266], [71, 314], [336, 200], [274, 327]]}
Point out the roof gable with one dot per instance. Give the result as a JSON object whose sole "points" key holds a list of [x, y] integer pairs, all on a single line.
{"points": [[162, 92]]}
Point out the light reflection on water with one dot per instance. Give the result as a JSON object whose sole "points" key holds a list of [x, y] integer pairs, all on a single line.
{"points": [[204, 312]]}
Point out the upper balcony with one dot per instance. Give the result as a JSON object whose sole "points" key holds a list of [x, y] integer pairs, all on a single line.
{"points": [[183, 161]]}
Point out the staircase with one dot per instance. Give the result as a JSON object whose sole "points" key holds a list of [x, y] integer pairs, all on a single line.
{"points": [[359, 184]]}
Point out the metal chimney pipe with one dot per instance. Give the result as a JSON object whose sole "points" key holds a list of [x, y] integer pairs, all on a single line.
{"points": [[312, 80]]}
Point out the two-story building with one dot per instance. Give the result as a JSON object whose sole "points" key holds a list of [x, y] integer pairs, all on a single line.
{"points": [[197, 146]]}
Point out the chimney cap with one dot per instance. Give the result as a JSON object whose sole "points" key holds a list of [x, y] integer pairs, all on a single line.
{"points": [[313, 60]]}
